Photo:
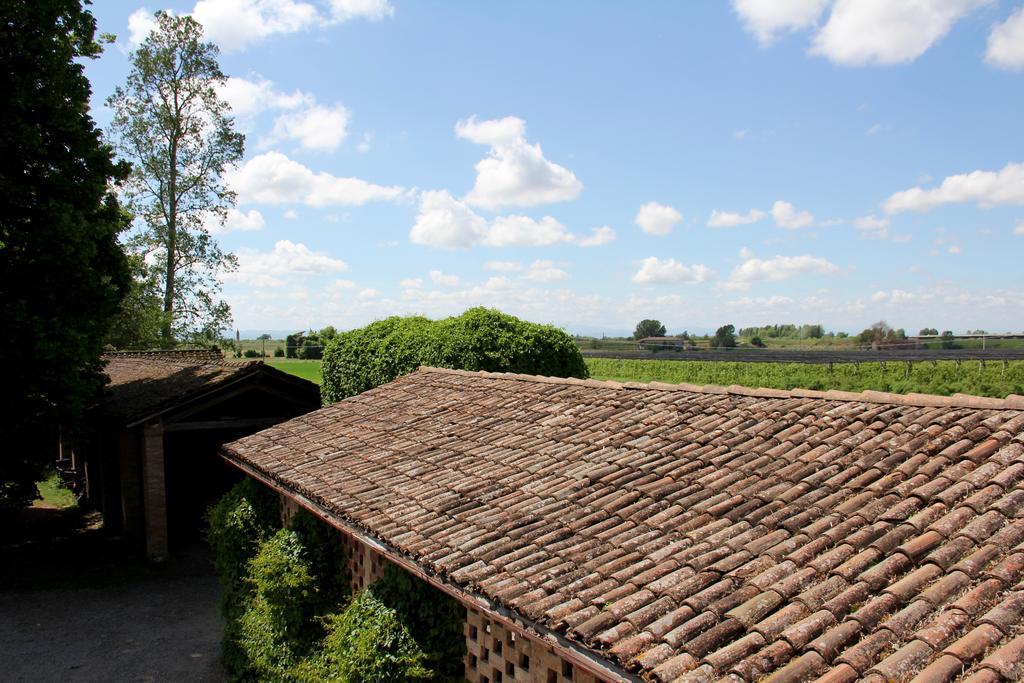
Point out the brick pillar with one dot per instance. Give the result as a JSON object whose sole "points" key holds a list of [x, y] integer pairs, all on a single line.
{"points": [[154, 491]]}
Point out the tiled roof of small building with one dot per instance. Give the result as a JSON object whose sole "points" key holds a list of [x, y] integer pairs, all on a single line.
{"points": [[690, 533], [143, 383]]}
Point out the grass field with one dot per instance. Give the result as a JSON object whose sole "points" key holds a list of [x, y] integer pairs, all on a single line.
{"points": [[306, 369], [994, 378]]}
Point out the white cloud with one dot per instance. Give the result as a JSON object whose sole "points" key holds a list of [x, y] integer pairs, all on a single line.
{"points": [[726, 219], [760, 302], [987, 188], [235, 221], [954, 249], [657, 219], [897, 297], [786, 216], [863, 32], [545, 271], [766, 19], [236, 24], [523, 231], [345, 10], [411, 283], [875, 129], [140, 23], [503, 266], [741, 134], [776, 269], [264, 268], [446, 222], [874, 228], [598, 236], [248, 97], [746, 253], [273, 178], [656, 271], [1006, 42], [443, 279], [515, 172], [316, 128], [1019, 230]]}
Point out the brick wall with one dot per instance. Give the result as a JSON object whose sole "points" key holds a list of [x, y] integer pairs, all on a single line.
{"points": [[365, 564], [497, 654]]}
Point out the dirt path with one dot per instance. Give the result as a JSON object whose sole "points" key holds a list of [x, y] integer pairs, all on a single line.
{"points": [[81, 608]]}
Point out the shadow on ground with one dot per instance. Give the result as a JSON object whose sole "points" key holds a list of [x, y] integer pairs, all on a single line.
{"points": [[76, 604]]}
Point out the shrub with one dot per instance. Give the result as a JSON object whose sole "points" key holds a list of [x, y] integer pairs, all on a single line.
{"points": [[479, 339], [326, 556], [434, 619], [277, 629], [251, 353], [279, 352], [366, 643], [236, 526]]}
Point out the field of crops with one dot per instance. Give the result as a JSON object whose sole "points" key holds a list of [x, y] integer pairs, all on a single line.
{"points": [[990, 378]]}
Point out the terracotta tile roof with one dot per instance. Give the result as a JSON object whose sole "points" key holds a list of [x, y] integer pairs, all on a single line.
{"points": [[144, 383], [692, 533]]}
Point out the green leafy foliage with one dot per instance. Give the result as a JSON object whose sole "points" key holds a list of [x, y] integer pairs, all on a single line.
{"points": [[327, 558], [367, 643], [236, 526], [990, 378], [725, 337], [434, 619], [288, 614], [62, 272], [649, 328], [479, 339], [279, 627]]}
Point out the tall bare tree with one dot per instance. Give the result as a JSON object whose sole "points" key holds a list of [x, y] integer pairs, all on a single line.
{"points": [[180, 137]]}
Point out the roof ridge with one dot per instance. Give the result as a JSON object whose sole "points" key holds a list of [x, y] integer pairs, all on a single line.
{"points": [[1011, 402]]}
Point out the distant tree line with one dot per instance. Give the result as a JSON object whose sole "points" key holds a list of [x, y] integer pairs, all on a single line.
{"points": [[785, 331]]}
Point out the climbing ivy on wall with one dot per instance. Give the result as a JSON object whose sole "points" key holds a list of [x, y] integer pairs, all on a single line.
{"points": [[288, 614]]}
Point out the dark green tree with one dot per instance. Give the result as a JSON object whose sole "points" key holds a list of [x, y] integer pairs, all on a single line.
{"points": [[725, 337], [928, 331], [170, 122], [62, 272], [649, 328]]}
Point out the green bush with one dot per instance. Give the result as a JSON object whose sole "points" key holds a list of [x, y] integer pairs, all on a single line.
{"points": [[285, 597], [251, 353], [326, 556], [279, 352], [279, 626], [479, 339], [434, 619], [367, 643], [236, 526]]}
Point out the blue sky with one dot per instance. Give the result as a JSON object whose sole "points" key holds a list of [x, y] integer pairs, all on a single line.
{"points": [[590, 164]]}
